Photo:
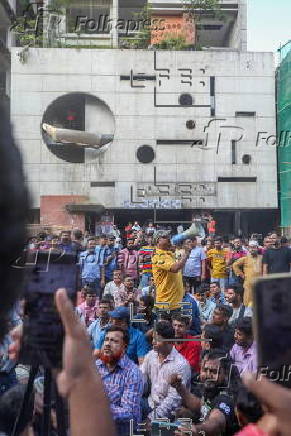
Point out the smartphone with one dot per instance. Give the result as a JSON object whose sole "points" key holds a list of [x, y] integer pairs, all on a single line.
{"points": [[44, 273], [272, 327], [163, 428]]}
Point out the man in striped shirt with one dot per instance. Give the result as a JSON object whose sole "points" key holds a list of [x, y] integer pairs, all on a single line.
{"points": [[145, 262]]}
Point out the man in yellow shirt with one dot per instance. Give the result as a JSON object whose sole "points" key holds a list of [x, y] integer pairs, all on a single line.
{"points": [[217, 258], [167, 274], [248, 268]]}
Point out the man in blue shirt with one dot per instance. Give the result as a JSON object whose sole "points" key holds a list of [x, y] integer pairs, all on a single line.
{"points": [[122, 379], [138, 345], [111, 259], [101, 323], [205, 305], [102, 252], [194, 269], [193, 312], [66, 243], [91, 272], [215, 293]]}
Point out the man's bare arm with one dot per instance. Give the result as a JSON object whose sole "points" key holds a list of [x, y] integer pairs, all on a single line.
{"points": [[203, 269], [214, 425], [265, 269], [189, 400], [177, 266]]}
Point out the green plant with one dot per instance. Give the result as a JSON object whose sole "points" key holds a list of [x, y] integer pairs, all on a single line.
{"points": [[144, 35], [199, 8], [173, 42], [202, 7]]}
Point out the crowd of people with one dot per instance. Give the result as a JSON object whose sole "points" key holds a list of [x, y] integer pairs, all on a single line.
{"points": [[154, 365], [170, 326]]}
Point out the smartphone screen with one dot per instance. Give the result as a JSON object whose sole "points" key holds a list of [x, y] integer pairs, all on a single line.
{"points": [[45, 272], [272, 310]]}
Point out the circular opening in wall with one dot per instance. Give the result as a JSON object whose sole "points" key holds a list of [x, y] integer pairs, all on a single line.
{"points": [[246, 159], [75, 122], [190, 124], [145, 154], [185, 100]]}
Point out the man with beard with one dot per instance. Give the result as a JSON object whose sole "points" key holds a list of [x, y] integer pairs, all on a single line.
{"points": [[235, 300], [213, 398], [128, 294], [128, 260], [122, 380], [79, 380], [248, 268], [137, 347], [220, 318]]}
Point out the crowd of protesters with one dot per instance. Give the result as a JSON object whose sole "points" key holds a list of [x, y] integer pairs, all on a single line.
{"points": [[170, 326]]}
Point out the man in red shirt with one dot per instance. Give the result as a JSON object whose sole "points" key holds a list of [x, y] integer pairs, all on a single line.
{"points": [[190, 349], [211, 226]]}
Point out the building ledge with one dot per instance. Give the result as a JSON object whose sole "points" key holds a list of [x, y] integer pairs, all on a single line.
{"points": [[85, 208]]}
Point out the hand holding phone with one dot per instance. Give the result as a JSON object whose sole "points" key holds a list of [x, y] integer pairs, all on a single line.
{"points": [[45, 273], [272, 322]]}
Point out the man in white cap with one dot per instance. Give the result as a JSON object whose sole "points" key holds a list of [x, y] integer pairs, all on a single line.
{"points": [[248, 268]]}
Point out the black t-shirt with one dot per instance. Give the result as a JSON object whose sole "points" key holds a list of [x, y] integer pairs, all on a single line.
{"points": [[228, 338], [277, 259], [224, 403]]}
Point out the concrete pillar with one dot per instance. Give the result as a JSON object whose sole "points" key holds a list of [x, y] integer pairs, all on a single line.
{"points": [[114, 12]]}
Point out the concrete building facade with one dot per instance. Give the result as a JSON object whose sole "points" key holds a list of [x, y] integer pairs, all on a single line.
{"points": [[190, 131], [7, 15]]}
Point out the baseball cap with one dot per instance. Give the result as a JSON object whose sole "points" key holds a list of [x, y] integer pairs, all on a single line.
{"points": [[162, 234], [120, 312]]}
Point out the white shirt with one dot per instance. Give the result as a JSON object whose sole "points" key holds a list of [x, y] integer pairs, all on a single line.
{"points": [[111, 288], [163, 396]]}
